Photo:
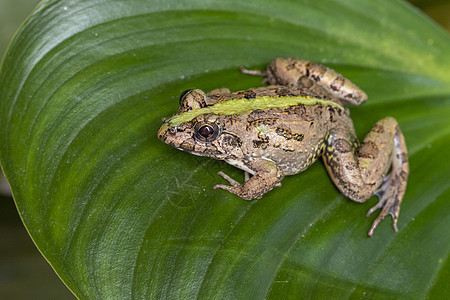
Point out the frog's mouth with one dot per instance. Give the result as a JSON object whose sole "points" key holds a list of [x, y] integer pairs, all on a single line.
{"points": [[216, 155]]}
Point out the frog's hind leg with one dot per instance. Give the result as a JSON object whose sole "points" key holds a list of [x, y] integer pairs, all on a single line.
{"points": [[359, 171], [312, 76], [318, 78]]}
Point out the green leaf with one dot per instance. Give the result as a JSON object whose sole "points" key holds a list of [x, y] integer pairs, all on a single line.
{"points": [[119, 214]]}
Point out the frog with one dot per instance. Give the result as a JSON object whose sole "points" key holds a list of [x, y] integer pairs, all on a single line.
{"points": [[282, 128]]}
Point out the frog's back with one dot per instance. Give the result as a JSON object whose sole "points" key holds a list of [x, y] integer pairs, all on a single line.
{"points": [[291, 136], [272, 91]]}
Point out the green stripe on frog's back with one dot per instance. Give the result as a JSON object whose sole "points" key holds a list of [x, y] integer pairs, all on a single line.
{"points": [[244, 105]]}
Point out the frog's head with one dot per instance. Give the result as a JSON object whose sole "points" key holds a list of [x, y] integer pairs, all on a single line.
{"points": [[197, 130]]}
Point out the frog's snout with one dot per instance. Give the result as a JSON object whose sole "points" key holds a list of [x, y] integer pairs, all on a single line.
{"points": [[163, 132], [169, 134]]}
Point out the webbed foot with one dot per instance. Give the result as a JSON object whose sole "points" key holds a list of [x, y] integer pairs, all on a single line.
{"points": [[390, 196]]}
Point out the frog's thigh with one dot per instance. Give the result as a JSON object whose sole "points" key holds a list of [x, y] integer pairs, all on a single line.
{"points": [[267, 176], [359, 175], [315, 77]]}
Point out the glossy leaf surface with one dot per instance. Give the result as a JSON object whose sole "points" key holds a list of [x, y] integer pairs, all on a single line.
{"points": [[119, 214]]}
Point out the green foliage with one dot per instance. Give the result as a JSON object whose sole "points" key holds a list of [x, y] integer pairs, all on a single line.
{"points": [[119, 214]]}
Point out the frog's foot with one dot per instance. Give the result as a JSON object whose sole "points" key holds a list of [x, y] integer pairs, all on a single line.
{"points": [[393, 187], [235, 188], [267, 175], [390, 197], [252, 72]]}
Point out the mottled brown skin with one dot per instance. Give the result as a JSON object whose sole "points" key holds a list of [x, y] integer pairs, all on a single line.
{"points": [[294, 72], [275, 142]]}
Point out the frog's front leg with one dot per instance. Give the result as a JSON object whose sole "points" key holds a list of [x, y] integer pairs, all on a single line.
{"points": [[359, 171], [267, 176]]}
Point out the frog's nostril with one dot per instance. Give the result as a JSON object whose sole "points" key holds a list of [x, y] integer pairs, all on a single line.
{"points": [[173, 130]]}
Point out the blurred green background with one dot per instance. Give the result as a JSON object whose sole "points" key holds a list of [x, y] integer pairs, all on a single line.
{"points": [[24, 273]]}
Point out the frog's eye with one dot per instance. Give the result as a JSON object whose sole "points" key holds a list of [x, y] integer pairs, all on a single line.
{"points": [[206, 132]]}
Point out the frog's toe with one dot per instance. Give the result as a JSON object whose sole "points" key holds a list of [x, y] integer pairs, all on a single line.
{"points": [[237, 190], [252, 72], [227, 178], [234, 188], [389, 201], [224, 187], [381, 194]]}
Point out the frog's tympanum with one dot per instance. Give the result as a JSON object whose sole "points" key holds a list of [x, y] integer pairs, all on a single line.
{"points": [[281, 129]]}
